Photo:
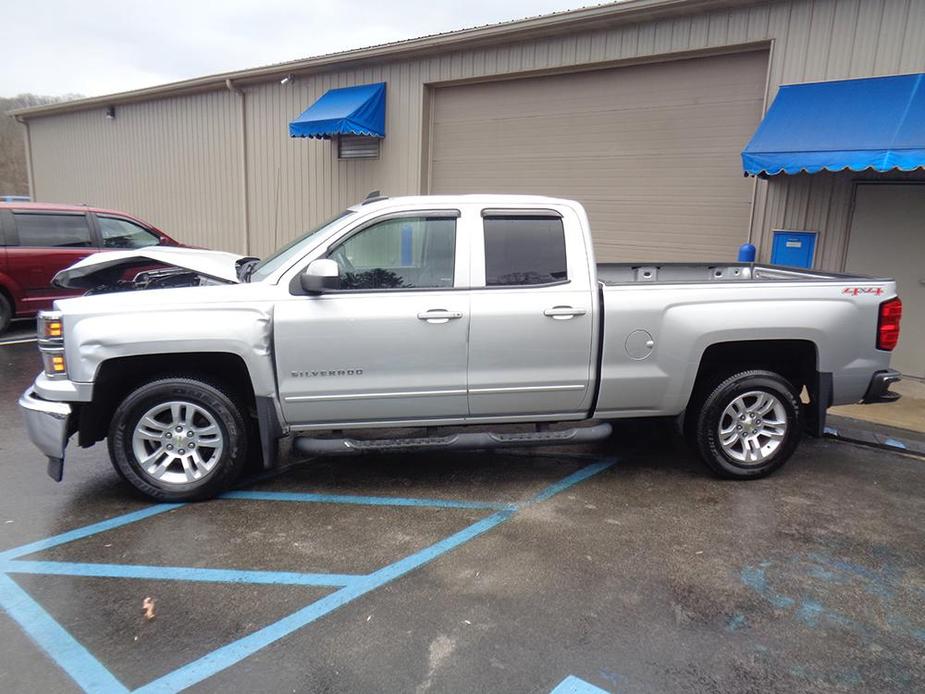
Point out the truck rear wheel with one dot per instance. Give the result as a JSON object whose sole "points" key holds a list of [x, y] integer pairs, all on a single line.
{"points": [[178, 439], [749, 425]]}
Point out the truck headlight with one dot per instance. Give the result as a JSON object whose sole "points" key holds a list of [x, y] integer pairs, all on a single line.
{"points": [[51, 343], [50, 327]]}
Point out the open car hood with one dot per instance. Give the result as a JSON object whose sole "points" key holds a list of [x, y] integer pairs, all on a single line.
{"points": [[100, 267]]}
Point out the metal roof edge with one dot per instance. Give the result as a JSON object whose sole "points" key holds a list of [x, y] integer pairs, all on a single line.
{"points": [[515, 30]]}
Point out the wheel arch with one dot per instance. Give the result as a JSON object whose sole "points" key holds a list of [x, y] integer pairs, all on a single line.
{"points": [[796, 360], [118, 376]]}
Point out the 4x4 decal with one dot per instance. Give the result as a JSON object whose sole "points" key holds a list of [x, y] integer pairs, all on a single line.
{"points": [[854, 291]]}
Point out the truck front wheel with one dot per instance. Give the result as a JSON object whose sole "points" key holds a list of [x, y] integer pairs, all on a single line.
{"points": [[178, 439], [749, 425]]}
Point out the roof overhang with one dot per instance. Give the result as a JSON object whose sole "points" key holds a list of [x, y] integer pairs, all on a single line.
{"points": [[875, 123], [612, 14]]}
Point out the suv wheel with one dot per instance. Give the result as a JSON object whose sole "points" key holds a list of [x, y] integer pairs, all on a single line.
{"points": [[178, 439], [6, 313], [749, 425]]}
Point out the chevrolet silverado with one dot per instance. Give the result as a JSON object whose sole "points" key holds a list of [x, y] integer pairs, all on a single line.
{"points": [[442, 320]]}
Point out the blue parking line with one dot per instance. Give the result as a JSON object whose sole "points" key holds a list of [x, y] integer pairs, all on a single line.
{"points": [[92, 675], [176, 573], [576, 685], [86, 531], [368, 500], [89, 674], [234, 652], [573, 479]]}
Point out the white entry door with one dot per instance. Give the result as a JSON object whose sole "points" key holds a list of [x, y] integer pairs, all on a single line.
{"points": [[888, 240]]}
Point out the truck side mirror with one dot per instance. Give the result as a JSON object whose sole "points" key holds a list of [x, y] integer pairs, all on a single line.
{"points": [[322, 275]]}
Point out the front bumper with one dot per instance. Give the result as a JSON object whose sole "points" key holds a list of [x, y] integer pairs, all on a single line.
{"points": [[879, 388], [49, 427]]}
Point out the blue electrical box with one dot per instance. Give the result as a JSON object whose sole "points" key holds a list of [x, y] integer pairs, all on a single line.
{"points": [[794, 248]]}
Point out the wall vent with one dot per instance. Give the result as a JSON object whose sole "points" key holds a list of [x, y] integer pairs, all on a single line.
{"points": [[357, 147]]}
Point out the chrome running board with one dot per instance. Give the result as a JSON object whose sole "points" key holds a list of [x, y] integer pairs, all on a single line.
{"points": [[473, 440]]}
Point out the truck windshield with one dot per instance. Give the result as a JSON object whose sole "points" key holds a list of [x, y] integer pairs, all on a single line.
{"points": [[291, 250]]}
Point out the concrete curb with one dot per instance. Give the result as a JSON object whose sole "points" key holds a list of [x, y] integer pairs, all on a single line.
{"points": [[892, 440]]}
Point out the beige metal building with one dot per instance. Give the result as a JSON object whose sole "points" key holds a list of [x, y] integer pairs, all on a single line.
{"points": [[639, 109]]}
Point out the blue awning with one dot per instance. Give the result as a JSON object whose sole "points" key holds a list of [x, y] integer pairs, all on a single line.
{"points": [[350, 111], [875, 123]]}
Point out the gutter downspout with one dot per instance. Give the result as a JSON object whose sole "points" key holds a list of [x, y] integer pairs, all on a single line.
{"points": [[759, 254], [245, 211], [27, 136]]}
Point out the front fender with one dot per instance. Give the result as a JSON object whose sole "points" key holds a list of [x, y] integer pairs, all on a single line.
{"points": [[245, 331]]}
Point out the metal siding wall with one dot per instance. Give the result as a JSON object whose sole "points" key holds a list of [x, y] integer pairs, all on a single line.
{"points": [[826, 40], [623, 141], [175, 161], [315, 185], [170, 161]]}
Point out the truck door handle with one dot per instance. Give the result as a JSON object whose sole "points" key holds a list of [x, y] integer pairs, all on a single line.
{"points": [[439, 315], [563, 312]]}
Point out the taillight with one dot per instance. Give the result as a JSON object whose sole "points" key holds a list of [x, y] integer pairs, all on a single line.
{"points": [[888, 324]]}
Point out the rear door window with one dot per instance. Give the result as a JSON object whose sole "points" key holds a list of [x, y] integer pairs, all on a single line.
{"points": [[523, 251], [121, 233], [53, 230]]}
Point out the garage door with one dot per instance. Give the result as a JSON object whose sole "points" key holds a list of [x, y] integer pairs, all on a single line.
{"points": [[651, 150], [888, 240]]}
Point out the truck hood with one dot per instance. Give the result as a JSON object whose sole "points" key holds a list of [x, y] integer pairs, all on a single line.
{"points": [[92, 270]]}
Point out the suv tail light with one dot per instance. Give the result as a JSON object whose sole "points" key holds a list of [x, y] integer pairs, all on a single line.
{"points": [[888, 324]]}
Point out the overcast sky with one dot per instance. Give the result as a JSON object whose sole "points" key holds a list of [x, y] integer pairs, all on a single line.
{"points": [[93, 47]]}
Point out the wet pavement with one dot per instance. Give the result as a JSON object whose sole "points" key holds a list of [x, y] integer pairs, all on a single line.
{"points": [[18, 332], [626, 566]]}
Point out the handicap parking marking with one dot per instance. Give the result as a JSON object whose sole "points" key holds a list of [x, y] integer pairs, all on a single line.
{"points": [[92, 676]]}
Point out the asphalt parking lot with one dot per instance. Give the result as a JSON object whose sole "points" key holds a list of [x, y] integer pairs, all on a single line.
{"points": [[624, 567]]}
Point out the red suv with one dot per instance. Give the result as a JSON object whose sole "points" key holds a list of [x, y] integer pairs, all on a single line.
{"points": [[39, 239]]}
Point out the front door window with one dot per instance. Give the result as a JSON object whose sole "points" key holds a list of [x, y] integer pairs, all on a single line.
{"points": [[400, 253]]}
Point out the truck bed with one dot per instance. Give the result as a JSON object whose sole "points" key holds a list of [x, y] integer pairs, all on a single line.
{"points": [[610, 274]]}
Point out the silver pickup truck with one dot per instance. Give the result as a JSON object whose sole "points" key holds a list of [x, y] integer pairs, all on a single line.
{"points": [[439, 322]]}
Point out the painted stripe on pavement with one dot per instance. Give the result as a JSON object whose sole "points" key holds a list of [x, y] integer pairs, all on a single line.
{"points": [[89, 673], [368, 500], [176, 573], [576, 685], [86, 531], [236, 651]]}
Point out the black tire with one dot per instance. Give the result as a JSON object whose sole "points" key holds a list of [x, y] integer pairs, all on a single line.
{"points": [[220, 407], [710, 415], [6, 313]]}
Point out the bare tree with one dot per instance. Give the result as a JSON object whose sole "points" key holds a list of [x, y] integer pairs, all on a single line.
{"points": [[13, 174]]}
